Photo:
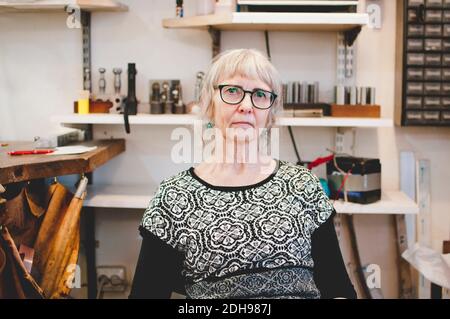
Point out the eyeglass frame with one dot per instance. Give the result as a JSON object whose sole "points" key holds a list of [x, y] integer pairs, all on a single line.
{"points": [[221, 86]]}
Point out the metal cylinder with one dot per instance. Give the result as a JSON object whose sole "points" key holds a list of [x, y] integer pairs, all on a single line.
{"points": [[304, 91], [316, 92], [340, 94], [372, 96], [353, 94], [363, 93]]}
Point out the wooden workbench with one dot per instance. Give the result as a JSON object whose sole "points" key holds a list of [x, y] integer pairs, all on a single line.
{"points": [[27, 167], [14, 169]]}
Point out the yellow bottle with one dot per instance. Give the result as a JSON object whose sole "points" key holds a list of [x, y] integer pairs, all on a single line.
{"points": [[83, 102]]}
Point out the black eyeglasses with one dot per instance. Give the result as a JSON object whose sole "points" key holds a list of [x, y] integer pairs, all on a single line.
{"points": [[235, 94]]}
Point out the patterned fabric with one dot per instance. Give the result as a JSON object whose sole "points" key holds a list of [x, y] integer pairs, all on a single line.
{"points": [[237, 237], [295, 282]]}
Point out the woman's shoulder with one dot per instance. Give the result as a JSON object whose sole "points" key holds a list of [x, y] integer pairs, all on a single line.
{"points": [[305, 184], [292, 170], [179, 179], [164, 214]]}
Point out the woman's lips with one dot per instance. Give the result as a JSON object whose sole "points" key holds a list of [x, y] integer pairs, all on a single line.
{"points": [[242, 124]]}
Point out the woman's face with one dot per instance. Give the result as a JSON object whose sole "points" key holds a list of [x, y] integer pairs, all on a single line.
{"points": [[245, 119]]}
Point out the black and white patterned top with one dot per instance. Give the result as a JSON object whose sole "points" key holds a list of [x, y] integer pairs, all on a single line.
{"points": [[242, 242]]}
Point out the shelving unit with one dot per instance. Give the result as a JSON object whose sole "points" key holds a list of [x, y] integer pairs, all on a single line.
{"points": [[142, 119], [60, 5], [246, 21], [113, 196], [107, 196], [392, 202], [175, 119], [335, 122]]}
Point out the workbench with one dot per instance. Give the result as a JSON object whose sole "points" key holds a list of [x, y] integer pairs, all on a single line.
{"points": [[23, 168], [20, 168]]}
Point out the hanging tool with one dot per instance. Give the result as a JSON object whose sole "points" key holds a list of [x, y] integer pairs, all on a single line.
{"points": [[57, 244], [2, 190], [131, 101]]}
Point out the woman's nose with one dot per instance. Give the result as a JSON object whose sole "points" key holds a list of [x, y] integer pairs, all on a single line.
{"points": [[246, 105]]}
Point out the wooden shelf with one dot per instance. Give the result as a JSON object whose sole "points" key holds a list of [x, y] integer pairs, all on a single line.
{"points": [[274, 21], [334, 121], [140, 119], [107, 196], [26, 167], [185, 119], [60, 5], [112, 196]]}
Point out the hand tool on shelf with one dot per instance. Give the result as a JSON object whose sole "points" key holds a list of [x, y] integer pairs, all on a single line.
{"points": [[155, 99], [118, 98], [102, 85], [165, 98], [131, 100], [178, 106]]}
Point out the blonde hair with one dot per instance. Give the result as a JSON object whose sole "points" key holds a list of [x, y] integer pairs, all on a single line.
{"points": [[248, 63]]}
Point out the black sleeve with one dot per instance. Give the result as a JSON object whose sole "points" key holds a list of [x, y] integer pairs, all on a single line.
{"points": [[158, 270], [330, 274]]}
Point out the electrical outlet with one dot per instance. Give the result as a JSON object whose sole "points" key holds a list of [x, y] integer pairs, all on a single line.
{"points": [[111, 278]]}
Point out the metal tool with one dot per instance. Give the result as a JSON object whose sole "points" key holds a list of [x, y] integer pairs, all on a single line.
{"points": [[119, 98], [165, 98], [155, 99], [316, 92], [87, 79], [198, 85], [304, 92], [340, 94], [353, 95], [102, 84], [178, 100], [372, 96]]}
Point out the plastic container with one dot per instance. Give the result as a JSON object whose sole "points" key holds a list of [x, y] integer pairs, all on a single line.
{"points": [[83, 102]]}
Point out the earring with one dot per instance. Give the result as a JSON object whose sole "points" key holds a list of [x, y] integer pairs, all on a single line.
{"points": [[209, 125]]}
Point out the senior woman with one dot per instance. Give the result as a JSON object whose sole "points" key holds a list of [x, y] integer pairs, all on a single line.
{"points": [[233, 228]]}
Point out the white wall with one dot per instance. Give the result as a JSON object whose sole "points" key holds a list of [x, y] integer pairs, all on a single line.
{"points": [[40, 75]]}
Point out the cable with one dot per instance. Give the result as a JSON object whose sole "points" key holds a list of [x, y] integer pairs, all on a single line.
{"points": [[102, 281], [345, 174], [299, 160], [320, 160], [343, 186], [266, 35]]}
